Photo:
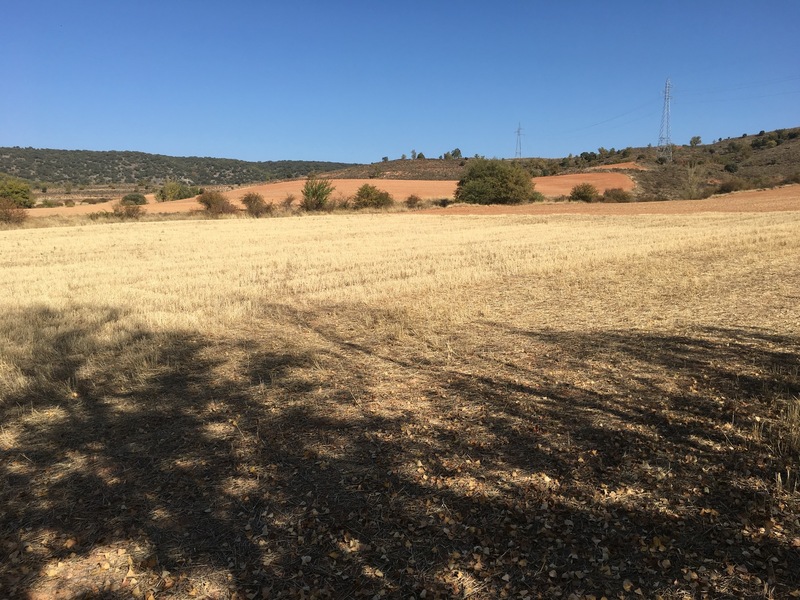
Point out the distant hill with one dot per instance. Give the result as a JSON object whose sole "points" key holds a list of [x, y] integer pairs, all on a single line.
{"points": [[89, 167], [758, 160]]}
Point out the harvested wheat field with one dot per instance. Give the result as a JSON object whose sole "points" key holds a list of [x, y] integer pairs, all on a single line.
{"points": [[402, 406]]}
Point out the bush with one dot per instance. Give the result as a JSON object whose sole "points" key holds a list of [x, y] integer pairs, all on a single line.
{"points": [[731, 167], [128, 211], [732, 185], [368, 196], [316, 193], [288, 202], [256, 206], [413, 201], [794, 178], [617, 195], [216, 204], [584, 192], [16, 190], [11, 212], [133, 200], [175, 190], [495, 182], [50, 203]]}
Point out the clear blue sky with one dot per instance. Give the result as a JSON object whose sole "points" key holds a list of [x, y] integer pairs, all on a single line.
{"points": [[354, 81]]}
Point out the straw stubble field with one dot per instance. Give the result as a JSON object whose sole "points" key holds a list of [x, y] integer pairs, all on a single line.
{"points": [[402, 406]]}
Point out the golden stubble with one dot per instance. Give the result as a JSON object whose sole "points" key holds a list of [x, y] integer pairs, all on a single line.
{"points": [[211, 275]]}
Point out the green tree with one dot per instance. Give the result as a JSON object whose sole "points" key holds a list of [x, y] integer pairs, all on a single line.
{"points": [[16, 190], [495, 182], [695, 141], [316, 193]]}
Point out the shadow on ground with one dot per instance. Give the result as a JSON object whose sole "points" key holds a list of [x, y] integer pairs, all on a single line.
{"points": [[166, 464]]}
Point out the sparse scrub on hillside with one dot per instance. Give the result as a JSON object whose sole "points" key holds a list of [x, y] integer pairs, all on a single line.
{"points": [[584, 192], [11, 213], [731, 185], [369, 196], [316, 194], [216, 204], [794, 178], [256, 206], [495, 182]]}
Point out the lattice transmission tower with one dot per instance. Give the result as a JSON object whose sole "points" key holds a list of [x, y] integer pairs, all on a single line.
{"points": [[664, 137], [518, 151]]}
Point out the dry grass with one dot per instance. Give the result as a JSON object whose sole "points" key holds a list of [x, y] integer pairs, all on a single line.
{"points": [[392, 404]]}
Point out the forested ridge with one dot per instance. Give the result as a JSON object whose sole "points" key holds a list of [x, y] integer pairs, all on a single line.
{"points": [[100, 167]]}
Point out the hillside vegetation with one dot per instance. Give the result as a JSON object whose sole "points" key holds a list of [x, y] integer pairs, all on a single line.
{"points": [[764, 159], [87, 167]]}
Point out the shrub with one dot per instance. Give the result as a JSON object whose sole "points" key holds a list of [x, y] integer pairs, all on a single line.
{"points": [[495, 182], [11, 212], [584, 192], [128, 211], [617, 195], [794, 178], [732, 185], [287, 202], [413, 201], [50, 203], [16, 190], [216, 204], [731, 167], [255, 205], [175, 190], [368, 196], [133, 200], [316, 193]]}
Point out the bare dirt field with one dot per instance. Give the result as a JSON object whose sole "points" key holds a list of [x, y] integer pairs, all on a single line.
{"points": [[402, 406]]}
